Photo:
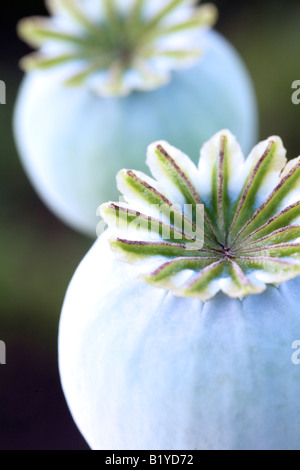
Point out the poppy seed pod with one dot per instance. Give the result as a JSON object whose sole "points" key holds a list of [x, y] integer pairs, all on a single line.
{"points": [[178, 335], [111, 77]]}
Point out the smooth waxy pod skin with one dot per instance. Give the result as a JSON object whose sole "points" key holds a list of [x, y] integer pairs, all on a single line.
{"points": [[200, 355], [85, 111]]}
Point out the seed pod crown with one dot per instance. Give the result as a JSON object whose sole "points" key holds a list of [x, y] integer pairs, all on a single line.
{"points": [[116, 46], [247, 237]]}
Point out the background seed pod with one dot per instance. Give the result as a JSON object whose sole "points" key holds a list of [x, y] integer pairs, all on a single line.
{"points": [[72, 142]]}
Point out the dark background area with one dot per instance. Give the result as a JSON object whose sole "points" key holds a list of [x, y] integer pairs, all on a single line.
{"points": [[38, 254]]}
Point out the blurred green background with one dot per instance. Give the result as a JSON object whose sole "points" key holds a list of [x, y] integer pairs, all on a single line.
{"points": [[38, 254]]}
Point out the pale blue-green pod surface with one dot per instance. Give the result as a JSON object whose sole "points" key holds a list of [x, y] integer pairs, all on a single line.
{"points": [[142, 369]]}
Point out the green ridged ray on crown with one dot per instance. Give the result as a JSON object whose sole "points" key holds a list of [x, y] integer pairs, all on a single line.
{"points": [[116, 46], [249, 235]]}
